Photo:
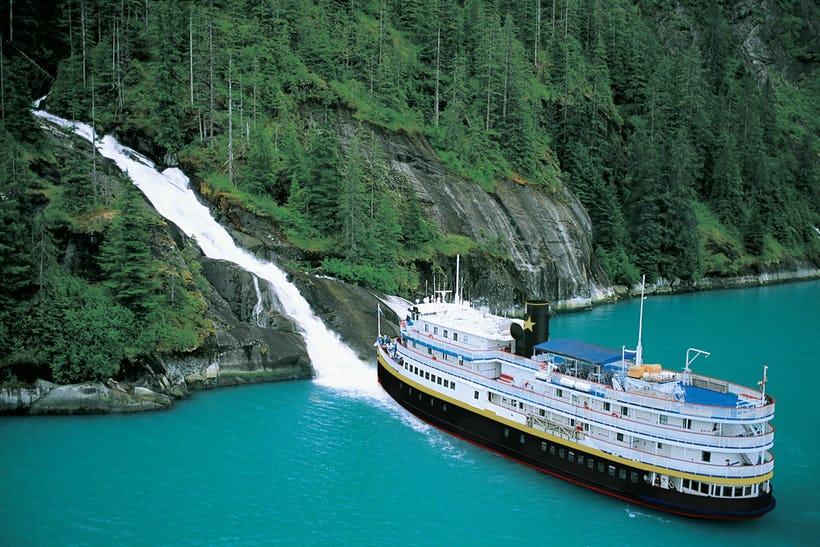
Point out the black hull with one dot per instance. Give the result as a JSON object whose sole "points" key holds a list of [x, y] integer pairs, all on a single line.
{"points": [[562, 461]]}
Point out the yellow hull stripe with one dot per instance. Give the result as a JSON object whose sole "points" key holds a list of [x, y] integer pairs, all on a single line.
{"points": [[570, 444]]}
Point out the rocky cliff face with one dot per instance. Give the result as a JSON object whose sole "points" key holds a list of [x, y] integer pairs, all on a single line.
{"points": [[541, 241]]}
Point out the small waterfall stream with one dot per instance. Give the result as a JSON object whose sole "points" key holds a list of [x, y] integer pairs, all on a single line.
{"points": [[336, 365]]}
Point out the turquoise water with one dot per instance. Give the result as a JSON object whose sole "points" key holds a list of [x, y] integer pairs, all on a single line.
{"points": [[301, 463]]}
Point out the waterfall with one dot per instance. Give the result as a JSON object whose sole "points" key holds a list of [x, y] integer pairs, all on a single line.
{"points": [[336, 365], [258, 315]]}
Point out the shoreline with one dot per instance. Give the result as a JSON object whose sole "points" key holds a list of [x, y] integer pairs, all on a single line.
{"points": [[115, 397]]}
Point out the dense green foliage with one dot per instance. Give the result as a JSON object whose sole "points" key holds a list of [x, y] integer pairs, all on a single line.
{"points": [[691, 155], [643, 110], [92, 281]]}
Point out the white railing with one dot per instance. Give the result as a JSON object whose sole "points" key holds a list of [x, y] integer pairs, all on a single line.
{"points": [[613, 421], [744, 414], [745, 471]]}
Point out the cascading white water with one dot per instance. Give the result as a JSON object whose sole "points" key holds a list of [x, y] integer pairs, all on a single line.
{"points": [[336, 365], [259, 308]]}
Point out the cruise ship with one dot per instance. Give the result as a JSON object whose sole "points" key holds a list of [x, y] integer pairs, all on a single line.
{"points": [[598, 417]]}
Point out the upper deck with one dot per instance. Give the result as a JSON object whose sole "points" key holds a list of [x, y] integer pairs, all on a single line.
{"points": [[462, 323]]}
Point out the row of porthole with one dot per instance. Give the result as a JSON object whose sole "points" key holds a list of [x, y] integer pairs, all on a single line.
{"points": [[570, 456], [432, 377], [421, 396]]}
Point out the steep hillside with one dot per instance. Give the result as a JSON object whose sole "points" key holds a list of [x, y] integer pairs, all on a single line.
{"points": [[560, 148]]}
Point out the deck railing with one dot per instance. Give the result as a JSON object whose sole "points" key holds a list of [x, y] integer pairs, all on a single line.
{"points": [[742, 414]]}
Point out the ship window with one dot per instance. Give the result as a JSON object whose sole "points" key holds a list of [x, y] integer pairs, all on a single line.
{"points": [[465, 339], [445, 333], [633, 477], [620, 437], [704, 488], [419, 396], [663, 419], [574, 399], [685, 483], [660, 446], [611, 470], [452, 385], [521, 405], [426, 375], [414, 343], [624, 410], [455, 336], [621, 473], [429, 351], [522, 439], [438, 380], [506, 429], [432, 402], [571, 456], [435, 330], [606, 407], [600, 467], [543, 446], [444, 407], [747, 491], [707, 456], [426, 327], [475, 394], [559, 393], [542, 412], [738, 491], [552, 449], [580, 459], [561, 453], [591, 463]]}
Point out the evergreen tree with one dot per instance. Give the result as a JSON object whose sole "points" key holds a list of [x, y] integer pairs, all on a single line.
{"points": [[316, 199], [126, 256]]}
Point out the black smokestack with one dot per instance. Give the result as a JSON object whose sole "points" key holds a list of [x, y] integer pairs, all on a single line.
{"points": [[536, 325]]}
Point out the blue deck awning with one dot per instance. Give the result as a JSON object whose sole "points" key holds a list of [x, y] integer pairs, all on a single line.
{"points": [[576, 349]]}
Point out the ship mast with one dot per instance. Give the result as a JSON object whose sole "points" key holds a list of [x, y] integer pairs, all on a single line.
{"points": [[457, 296], [639, 349]]}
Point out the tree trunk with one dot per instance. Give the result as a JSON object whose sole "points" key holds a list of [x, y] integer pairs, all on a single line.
{"points": [[537, 34], [438, 70], [230, 122]]}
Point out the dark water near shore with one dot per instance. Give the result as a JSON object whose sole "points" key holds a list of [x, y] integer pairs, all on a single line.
{"points": [[307, 463]]}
